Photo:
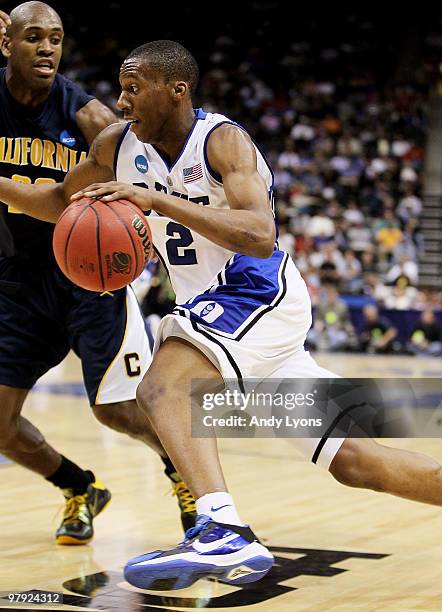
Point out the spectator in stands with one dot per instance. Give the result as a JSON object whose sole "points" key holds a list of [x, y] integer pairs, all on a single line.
{"points": [[351, 280], [286, 239], [328, 252], [405, 267], [360, 237], [368, 260], [378, 335], [410, 206], [429, 298], [313, 282], [300, 197], [328, 273], [387, 234], [375, 288], [426, 335], [405, 249], [413, 234], [408, 174], [332, 329], [320, 227], [401, 295], [288, 159], [353, 214]]}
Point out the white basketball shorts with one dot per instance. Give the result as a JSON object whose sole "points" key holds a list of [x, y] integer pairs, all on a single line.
{"points": [[271, 348]]}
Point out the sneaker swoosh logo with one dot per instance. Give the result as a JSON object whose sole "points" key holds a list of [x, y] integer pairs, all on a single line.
{"points": [[202, 548], [212, 509]]}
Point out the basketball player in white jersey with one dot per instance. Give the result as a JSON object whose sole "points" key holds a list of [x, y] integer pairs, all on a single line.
{"points": [[243, 309]]}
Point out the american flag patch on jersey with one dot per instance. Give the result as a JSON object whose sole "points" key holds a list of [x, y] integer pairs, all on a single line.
{"points": [[192, 174]]}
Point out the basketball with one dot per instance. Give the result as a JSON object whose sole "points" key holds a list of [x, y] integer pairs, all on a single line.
{"points": [[102, 246]]}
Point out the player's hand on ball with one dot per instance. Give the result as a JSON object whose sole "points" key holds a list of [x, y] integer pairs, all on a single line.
{"points": [[117, 191]]}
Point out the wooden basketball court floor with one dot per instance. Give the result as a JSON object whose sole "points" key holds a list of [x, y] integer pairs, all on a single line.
{"points": [[338, 549]]}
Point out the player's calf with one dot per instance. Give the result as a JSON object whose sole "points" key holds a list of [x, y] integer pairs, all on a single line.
{"points": [[362, 462], [357, 464]]}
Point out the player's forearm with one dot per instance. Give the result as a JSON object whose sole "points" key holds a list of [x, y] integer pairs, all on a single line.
{"points": [[243, 231], [44, 202]]}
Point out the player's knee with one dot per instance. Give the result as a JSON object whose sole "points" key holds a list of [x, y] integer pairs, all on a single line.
{"points": [[118, 416], [150, 395], [107, 415], [11, 403], [8, 431], [355, 464]]}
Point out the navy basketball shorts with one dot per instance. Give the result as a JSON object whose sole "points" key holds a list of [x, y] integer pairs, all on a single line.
{"points": [[43, 316]]}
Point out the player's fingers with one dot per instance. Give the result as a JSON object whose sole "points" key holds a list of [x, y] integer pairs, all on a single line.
{"points": [[91, 190], [97, 193], [117, 195], [5, 21]]}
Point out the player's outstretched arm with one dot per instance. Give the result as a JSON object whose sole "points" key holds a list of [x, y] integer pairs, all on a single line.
{"points": [[47, 201], [247, 227]]}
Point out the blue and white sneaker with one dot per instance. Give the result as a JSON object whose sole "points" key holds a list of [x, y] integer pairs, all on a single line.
{"points": [[230, 553]]}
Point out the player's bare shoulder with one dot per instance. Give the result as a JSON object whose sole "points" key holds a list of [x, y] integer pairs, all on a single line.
{"points": [[229, 147], [102, 149], [228, 133]]}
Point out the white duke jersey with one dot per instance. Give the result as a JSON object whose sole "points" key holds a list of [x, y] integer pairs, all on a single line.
{"points": [[217, 287]]}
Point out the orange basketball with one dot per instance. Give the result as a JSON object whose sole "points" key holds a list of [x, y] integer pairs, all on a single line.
{"points": [[102, 246]]}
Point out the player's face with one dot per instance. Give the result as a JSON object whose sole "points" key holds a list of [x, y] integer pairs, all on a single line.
{"points": [[145, 100], [35, 51]]}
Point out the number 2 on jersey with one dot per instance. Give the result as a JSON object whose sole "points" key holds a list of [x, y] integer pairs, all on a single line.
{"points": [[186, 257]]}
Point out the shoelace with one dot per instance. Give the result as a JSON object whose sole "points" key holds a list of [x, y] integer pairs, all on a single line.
{"points": [[194, 531], [185, 497], [76, 509]]}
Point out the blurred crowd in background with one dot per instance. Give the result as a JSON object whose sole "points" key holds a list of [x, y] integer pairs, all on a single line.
{"points": [[339, 105]]}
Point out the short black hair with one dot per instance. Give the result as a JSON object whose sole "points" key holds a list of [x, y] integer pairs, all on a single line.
{"points": [[171, 59]]}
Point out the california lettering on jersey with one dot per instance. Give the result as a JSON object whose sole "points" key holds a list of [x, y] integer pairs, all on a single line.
{"points": [[40, 153], [37, 146]]}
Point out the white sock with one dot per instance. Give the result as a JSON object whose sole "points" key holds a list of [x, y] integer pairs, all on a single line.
{"points": [[220, 507]]}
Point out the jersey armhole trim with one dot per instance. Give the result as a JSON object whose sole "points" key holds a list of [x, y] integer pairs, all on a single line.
{"points": [[217, 177], [118, 146]]}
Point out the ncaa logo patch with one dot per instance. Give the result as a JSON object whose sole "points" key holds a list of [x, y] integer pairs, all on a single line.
{"points": [[67, 139], [141, 164], [209, 311]]}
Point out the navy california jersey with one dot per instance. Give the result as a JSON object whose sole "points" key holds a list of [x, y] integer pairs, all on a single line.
{"points": [[37, 146]]}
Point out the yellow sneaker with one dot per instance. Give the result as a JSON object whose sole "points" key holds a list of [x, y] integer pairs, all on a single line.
{"points": [[79, 512], [186, 501]]}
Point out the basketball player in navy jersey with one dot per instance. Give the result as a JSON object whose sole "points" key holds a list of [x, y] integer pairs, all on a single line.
{"points": [[46, 125], [207, 190]]}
